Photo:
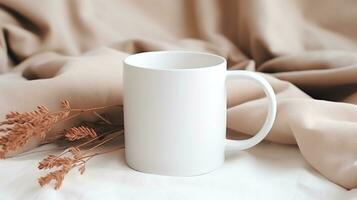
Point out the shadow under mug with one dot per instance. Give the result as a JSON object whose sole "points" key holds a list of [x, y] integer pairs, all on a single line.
{"points": [[175, 112]]}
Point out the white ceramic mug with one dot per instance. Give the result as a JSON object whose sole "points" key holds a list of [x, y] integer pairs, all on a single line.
{"points": [[175, 112]]}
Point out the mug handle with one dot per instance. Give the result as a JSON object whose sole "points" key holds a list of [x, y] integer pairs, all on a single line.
{"points": [[272, 108]]}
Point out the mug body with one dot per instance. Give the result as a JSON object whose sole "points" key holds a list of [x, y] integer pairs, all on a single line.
{"points": [[174, 112]]}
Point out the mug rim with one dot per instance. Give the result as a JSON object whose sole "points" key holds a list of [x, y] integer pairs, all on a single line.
{"points": [[220, 61]]}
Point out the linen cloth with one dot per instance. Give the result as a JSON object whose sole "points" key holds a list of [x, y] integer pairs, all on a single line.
{"points": [[268, 171], [52, 50]]}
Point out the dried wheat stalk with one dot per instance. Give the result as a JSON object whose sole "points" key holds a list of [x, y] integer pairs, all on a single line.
{"points": [[18, 128], [71, 158]]}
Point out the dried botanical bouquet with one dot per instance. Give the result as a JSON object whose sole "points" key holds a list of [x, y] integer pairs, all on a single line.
{"points": [[82, 141]]}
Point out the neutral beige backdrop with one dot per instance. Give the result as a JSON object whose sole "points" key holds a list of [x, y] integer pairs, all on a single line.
{"points": [[51, 50]]}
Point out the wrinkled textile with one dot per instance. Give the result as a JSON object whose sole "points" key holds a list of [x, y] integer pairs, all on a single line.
{"points": [[268, 171], [52, 50]]}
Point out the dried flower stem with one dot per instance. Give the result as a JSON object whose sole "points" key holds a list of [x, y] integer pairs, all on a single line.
{"points": [[102, 135], [18, 128], [103, 152], [93, 139], [66, 163], [101, 143], [95, 108], [102, 118]]}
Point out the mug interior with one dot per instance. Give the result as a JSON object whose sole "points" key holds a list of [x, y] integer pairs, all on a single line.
{"points": [[174, 60]]}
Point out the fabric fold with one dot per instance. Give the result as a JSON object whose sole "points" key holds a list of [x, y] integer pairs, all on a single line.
{"points": [[53, 50]]}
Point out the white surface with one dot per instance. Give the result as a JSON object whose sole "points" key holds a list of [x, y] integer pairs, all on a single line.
{"points": [[267, 171]]}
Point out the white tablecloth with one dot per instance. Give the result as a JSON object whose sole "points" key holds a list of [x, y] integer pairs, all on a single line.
{"points": [[267, 171]]}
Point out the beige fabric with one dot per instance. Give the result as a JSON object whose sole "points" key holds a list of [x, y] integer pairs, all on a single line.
{"points": [[307, 50]]}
